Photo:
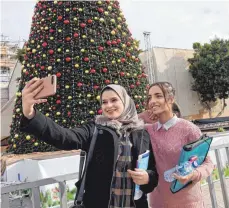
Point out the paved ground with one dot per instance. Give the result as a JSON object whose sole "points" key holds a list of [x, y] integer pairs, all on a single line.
{"points": [[218, 192]]}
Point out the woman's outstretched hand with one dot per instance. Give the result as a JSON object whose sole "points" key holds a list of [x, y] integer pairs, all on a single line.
{"points": [[31, 89], [185, 179], [152, 116], [139, 176]]}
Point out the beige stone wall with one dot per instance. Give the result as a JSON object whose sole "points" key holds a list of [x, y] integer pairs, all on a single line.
{"points": [[171, 65]]}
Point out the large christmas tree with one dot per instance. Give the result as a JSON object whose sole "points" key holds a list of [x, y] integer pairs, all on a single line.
{"points": [[87, 44]]}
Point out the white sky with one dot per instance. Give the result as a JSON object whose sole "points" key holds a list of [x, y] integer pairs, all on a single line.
{"points": [[173, 24]]}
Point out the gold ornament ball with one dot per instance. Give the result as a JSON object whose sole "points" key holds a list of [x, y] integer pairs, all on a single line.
{"points": [[28, 137], [112, 32], [98, 98]]}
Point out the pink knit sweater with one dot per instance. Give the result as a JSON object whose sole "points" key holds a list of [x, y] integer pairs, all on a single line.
{"points": [[167, 146]]}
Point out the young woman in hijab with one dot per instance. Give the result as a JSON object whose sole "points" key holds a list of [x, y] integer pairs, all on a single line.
{"points": [[168, 135], [121, 138]]}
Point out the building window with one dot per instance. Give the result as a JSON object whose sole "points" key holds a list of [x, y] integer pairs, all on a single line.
{"points": [[4, 70]]}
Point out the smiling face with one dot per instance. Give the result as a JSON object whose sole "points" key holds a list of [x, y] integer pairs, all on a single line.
{"points": [[112, 105], [158, 103]]}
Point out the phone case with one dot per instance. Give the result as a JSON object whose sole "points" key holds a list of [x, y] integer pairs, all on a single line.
{"points": [[49, 87]]}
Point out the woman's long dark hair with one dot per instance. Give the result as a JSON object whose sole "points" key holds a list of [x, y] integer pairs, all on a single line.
{"points": [[176, 109]]}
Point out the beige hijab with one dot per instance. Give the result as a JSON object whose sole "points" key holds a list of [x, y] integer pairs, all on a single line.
{"points": [[128, 120]]}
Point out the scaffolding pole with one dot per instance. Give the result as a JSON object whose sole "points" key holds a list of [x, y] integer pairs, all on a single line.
{"points": [[149, 60]]}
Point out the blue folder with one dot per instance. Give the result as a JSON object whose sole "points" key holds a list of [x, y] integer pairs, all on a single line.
{"points": [[198, 148]]}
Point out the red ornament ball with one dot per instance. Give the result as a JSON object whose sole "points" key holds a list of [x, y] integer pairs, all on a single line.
{"points": [[105, 70], [51, 52], [100, 10], [107, 81], [132, 86], [86, 59], [89, 21], [44, 44], [68, 38], [79, 84], [68, 59], [100, 111], [59, 18], [76, 35], [66, 22], [83, 25], [92, 71]]}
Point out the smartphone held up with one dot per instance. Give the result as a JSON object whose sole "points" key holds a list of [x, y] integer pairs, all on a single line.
{"points": [[49, 88]]}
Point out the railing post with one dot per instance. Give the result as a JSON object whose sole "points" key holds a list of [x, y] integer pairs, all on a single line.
{"points": [[36, 197], [5, 200], [222, 179], [227, 153], [212, 191], [63, 194]]}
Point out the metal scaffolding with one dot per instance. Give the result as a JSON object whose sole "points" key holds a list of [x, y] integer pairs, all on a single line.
{"points": [[149, 59]]}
